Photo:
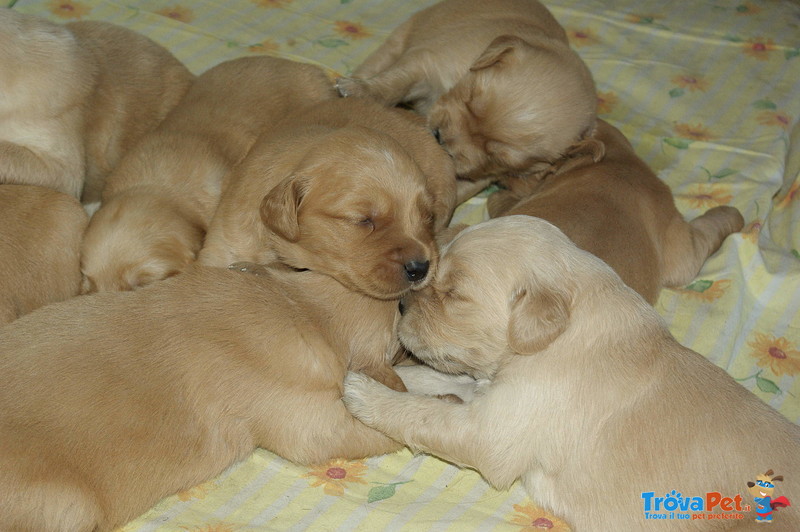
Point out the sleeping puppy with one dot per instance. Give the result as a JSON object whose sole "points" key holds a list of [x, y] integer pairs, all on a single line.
{"points": [[133, 396], [39, 248], [162, 195], [497, 80], [137, 82], [349, 188], [619, 210], [76, 97], [591, 402], [46, 79]]}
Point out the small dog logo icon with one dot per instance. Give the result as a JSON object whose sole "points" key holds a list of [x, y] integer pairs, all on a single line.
{"points": [[762, 490]]}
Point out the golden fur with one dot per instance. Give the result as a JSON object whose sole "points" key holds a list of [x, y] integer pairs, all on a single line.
{"points": [[137, 83], [497, 80], [76, 97], [590, 401], [348, 188], [159, 200], [619, 210], [133, 396], [39, 248]]}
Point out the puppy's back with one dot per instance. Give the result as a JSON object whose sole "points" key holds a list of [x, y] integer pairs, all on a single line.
{"points": [[39, 248], [138, 83]]}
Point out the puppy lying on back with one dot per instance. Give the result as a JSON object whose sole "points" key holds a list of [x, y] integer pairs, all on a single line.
{"points": [[590, 401], [159, 200], [40, 235], [620, 211], [348, 188], [497, 80], [75, 97], [131, 397]]}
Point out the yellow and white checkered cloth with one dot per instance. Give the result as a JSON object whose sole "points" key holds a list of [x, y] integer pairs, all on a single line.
{"points": [[709, 94]]}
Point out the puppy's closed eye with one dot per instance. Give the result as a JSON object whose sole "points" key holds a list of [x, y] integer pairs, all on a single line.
{"points": [[538, 316]]}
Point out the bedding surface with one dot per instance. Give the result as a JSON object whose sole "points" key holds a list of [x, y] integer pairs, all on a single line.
{"points": [[709, 96]]}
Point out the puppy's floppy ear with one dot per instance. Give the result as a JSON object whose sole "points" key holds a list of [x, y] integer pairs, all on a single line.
{"points": [[279, 208], [586, 151], [497, 50], [538, 316]]}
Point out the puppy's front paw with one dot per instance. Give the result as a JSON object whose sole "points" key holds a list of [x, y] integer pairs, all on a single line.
{"points": [[361, 394], [351, 87]]}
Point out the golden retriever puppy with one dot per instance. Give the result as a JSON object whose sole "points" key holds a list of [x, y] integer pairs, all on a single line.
{"points": [[619, 210], [349, 188], [75, 97], [46, 79], [159, 200], [39, 248], [133, 396], [137, 82], [590, 402], [498, 81]]}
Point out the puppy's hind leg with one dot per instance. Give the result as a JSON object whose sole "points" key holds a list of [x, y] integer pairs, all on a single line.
{"points": [[403, 81], [386, 54], [688, 245], [48, 507]]}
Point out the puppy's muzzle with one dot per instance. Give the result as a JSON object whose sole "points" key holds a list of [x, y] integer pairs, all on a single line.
{"points": [[416, 271]]}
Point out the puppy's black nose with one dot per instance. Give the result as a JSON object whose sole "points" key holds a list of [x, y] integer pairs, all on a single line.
{"points": [[416, 271], [401, 307], [437, 135]]}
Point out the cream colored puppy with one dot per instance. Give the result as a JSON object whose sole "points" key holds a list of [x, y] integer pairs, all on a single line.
{"points": [[76, 97], [348, 188], [115, 400], [497, 80], [159, 200], [592, 404], [40, 235], [619, 210]]}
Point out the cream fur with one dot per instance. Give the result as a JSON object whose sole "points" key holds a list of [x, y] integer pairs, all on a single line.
{"points": [[591, 401]]}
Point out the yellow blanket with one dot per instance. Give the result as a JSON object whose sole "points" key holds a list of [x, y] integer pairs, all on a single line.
{"points": [[709, 94]]}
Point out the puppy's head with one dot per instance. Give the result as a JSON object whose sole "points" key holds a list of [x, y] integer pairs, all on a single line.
{"points": [[356, 209], [133, 241], [504, 288], [520, 107]]}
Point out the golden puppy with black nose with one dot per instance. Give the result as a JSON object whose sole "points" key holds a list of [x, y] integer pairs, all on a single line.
{"points": [[349, 188]]}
